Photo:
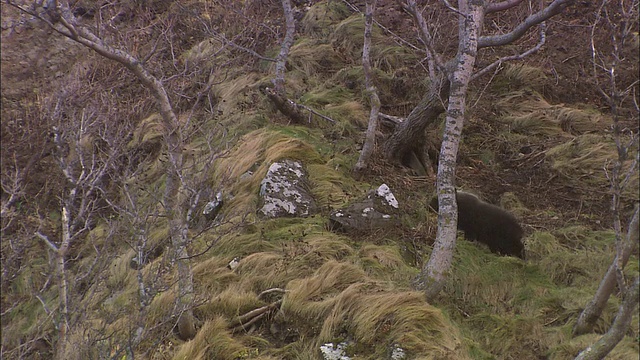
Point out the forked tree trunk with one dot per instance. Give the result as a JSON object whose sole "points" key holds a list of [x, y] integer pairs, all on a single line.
{"points": [[406, 145], [593, 310], [432, 277], [620, 325]]}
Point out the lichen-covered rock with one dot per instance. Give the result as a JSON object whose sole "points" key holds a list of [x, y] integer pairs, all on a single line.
{"points": [[212, 208], [377, 210], [284, 191], [334, 352]]}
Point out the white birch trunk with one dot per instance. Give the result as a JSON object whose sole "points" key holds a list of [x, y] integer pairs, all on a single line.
{"points": [[594, 308], [432, 277], [281, 60], [370, 138], [608, 341]]}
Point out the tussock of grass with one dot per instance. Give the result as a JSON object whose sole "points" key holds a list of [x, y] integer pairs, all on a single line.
{"points": [[511, 308], [388, 57], [147, 130], [580, 121], [529, 113], [264, 270], [120, 273], [486, 282], [342, 301], [161, 308], [239, 245], [510, 201], [329, 246], [509, 336], [313, 58], [291, 257], [213, 341], [212, 275], [230, 303], [320, 17], [26, 320], [523, 76], [583, 157], [385, 262], [351, 114], [235, 92], [318, 98], [348, 39], [331, 188], [348, 36]]}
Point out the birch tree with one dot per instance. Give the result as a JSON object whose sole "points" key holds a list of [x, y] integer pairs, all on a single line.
{"points": [[370, 137], [616, 20], [58, 15], [85, 170], [458, 72], [621, 323]]}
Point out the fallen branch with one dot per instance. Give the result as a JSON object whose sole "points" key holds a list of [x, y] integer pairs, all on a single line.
{"points": [[290, 108], [242, 321], [272, 290]]}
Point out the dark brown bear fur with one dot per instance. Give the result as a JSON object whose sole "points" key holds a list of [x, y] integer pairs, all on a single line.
{"points": [[488, 224]]}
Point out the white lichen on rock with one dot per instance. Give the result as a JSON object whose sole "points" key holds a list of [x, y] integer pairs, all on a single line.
{"points": [[397, 353], [284, 191], [385, 192], [329, 352]]}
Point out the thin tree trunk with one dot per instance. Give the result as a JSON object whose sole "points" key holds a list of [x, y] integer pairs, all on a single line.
{"points": [[432, 276], [370, 139], [281, 60], [620, 325], [593, 310]]}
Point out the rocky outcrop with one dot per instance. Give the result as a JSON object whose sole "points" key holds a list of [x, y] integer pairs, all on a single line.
{"points": [[284, 191], [378, 210]]}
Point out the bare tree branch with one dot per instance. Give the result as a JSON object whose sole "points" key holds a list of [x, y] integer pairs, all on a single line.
{"points": [[501, 6], [504, 59], [551, 10], [434, 60]]}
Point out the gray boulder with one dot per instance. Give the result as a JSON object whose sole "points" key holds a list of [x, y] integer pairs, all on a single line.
{"points": [[284, 191], [378, 210]]}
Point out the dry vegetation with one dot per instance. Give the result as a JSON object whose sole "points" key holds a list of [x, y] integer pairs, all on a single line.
{"points": [[541, 141]]}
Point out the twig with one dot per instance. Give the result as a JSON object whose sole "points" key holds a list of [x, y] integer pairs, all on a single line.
{"points": [[312, 111], [47, 241], [272, 290]]}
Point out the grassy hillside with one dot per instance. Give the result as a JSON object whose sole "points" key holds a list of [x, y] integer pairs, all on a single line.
{"points": [[535, 142]]}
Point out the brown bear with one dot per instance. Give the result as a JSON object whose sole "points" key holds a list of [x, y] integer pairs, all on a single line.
{"points": [[488, 224]]}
